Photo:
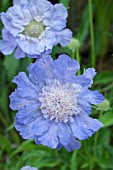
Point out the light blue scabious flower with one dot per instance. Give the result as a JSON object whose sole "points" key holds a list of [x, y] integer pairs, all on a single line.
{"points": [[33, 27], [54, 104], [28, 168]]}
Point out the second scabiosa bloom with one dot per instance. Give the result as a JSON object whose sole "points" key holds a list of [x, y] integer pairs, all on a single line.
{"points": [[33, 27], [54, 104]]}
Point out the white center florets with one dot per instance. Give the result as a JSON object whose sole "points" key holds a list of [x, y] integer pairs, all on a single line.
{"points": [[59, 101], [34, 29]]}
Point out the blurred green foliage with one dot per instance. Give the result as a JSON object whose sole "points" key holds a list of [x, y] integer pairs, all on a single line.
{"points": [[96, 152]]}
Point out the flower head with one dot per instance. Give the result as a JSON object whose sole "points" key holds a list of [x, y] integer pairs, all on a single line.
{"points": [[28, 168], [54, 104], [33, 27], [74, 43]]}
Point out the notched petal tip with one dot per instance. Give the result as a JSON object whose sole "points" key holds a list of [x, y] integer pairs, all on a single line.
{"points": [[7, 47], [20, 2], [97, 97], [90, 73], [73, 145], [85, 126]]}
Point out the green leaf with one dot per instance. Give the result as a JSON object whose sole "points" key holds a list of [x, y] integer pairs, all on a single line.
{"points": [[11, 64], [21, 147], [24, 63], [4, 101], [105, 163], [2, 78], [5, 144], [48, 162], [105, 138], [104, 77], [85, 165], [107, 119], [63, 168], [84, 27], [103, 16], [4, 4], [65, 2], [73, 161]]}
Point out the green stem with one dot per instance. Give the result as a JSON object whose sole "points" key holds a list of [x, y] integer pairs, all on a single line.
{"points": [[78, 58], [110, 86], [95, 143], [73, 55], [3, 120], [95, 146], [91, 33]]}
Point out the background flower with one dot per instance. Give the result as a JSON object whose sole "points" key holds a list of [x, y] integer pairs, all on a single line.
{"points": [[28, 168], [33, 28], [54, 105]]}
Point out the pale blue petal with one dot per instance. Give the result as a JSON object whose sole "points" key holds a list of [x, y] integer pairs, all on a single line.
{"points": [[19, 53], [25, 130], [87, 97], [81, 80], [50, 137], [27, 15], [84, 126], [73, 145], [26, 88], [48, 43], [15, 13], [65, 68], [25, 45], [57, 25], [6, 35], [18, 17], [20, 2], [31, 47], [42, 5], [35, 56], [41, 125], [89, 73], [8, 25], [60, 11], [40, 47], [28, 168], [64, 37], [17, 102], [64, 133], [37, 15], [41, 70], [28, 114], [7, 47], [59, 146], [41, 9], [49, 37], [58, 20]]}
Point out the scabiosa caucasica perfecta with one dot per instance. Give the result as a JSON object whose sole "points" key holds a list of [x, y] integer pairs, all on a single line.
{"points": [[28, 168], [54, 104], [33, 27]]}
